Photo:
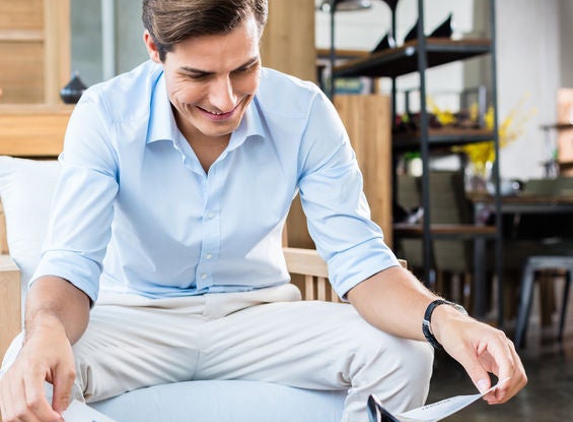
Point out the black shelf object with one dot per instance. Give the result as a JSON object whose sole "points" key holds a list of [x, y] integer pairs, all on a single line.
{"points": [[440, 138], [416, 56], [404, 60]]}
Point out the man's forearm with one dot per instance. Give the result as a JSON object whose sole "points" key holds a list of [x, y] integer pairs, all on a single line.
{"points": [[394, 301], [54, 302]]}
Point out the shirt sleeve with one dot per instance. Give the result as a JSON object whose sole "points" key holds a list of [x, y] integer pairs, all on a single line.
{"points": [[332, 197], [82, 208]]}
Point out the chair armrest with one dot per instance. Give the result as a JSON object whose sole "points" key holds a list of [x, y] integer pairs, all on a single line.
{"points": [[305, 262], [309, 262], [10, 302]]}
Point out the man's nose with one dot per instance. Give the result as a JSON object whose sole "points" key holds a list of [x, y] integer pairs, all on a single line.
{"points": [[222, 96]]}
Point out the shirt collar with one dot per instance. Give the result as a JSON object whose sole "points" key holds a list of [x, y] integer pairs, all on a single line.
{"points": [[252, 125], [162, 125]]}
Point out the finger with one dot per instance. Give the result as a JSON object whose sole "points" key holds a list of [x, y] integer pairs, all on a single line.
{"points": [[507, 390], [63, 384], [477, 373], [13, 400], [16, 406], [3, 405], [35, 395]]}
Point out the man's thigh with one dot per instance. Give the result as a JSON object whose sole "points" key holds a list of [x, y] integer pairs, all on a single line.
{"points": [[307, 344]]}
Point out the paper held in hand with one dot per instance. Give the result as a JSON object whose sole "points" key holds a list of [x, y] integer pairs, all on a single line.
{"points": [[79, 412], [428, 413]]}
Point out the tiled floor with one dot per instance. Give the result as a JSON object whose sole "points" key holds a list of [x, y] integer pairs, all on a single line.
{"points": [[548, 397]]}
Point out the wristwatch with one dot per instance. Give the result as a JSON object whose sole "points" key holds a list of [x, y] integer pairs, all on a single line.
{"points": [[426, 327]]}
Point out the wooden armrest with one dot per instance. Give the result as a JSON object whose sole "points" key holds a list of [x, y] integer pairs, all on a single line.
{"points": [[308, 263], [305, 262], [10, 302]]}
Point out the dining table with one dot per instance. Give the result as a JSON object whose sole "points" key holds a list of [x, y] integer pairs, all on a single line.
{"points": [[515, 206]]}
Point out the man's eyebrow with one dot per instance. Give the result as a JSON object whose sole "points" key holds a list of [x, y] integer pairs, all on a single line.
{"points": [[187, 69]]}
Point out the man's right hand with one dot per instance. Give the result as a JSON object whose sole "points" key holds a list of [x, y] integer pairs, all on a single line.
{"points": [[45, 356], [57, 315]]}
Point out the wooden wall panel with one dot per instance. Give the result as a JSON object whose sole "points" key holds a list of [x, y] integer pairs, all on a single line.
{"points": [[21, 14], [57, 48], [34, 50], [288, 43], [367, 121], [22, 72]]}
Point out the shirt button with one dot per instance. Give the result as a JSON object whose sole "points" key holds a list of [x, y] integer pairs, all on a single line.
{"points": [[209, 256], [203, 276], [210, 215]]}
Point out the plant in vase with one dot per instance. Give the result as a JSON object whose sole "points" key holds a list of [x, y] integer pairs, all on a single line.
{"points": [[481, 155]]}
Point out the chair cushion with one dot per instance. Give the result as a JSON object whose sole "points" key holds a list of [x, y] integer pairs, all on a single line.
{"points": [[26, 190], [224, 401]]}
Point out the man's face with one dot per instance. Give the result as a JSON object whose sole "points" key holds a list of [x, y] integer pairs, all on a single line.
{"points": [[212, 79]]}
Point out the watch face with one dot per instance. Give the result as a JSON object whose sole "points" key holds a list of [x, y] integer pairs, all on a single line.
{"points": [[459, 307]]}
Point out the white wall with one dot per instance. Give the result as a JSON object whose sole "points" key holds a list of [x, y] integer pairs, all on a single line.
{"points": [[566, 53], [528, 33]]}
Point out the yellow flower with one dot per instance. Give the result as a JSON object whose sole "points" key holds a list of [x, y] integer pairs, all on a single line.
{"points": [[509, 129], [445, 117]]}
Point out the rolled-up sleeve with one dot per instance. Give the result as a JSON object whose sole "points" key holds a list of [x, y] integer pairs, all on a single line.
{"points": [[82, 208], [338, 215]]}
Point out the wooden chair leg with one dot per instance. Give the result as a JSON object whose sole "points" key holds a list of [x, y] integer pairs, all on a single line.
{"points": [[564, 303], [309, 287]]}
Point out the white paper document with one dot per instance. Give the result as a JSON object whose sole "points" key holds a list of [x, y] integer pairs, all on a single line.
{"points": [[442, 409], [79, 412]]}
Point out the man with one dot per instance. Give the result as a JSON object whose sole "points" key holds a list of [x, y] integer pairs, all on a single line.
{"points": [[181, 174]]}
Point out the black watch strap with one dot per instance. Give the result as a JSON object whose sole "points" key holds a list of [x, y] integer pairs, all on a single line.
{"points": [[426, 328]]}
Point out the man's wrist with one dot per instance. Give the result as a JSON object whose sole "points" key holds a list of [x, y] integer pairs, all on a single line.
{"points": [[427, 326]]}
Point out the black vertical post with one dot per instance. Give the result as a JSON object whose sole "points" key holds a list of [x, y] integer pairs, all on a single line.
{"points": [[332, 50], [496, 173], [424, 148]]}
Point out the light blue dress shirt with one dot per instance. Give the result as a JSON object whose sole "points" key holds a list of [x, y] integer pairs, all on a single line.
{"points": [[135, 212]]}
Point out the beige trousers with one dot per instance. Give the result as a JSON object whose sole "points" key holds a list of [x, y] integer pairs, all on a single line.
{"points": [[268, 335]]}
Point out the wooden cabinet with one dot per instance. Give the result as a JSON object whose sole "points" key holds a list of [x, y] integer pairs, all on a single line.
{"points": [[34, 50], [33, 130]]}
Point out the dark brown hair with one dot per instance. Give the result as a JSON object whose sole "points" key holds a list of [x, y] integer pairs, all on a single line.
{"points": [[172, 21]]}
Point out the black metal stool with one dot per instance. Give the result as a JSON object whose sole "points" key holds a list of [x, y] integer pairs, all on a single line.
{"points": [[533, 264]]}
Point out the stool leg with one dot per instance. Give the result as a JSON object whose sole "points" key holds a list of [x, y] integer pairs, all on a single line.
{"points": [[525, 304], [564, 305]]}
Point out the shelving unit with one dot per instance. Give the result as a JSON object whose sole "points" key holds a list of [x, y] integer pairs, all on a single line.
{"points": [[35, 50], [417, 56]]}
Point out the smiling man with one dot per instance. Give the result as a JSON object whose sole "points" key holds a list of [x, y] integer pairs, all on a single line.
{"points": [[165, 236]]}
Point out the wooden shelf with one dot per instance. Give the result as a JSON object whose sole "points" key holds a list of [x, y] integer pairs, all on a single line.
{"points": [[403, 60], [15, 35], [558, 126], [345, 54]]}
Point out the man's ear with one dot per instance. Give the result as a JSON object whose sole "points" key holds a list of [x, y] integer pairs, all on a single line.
{"points": [[151, 47]]}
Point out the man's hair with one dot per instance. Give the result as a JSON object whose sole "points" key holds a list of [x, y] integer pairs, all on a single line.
{"points": [[171, 21]]}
